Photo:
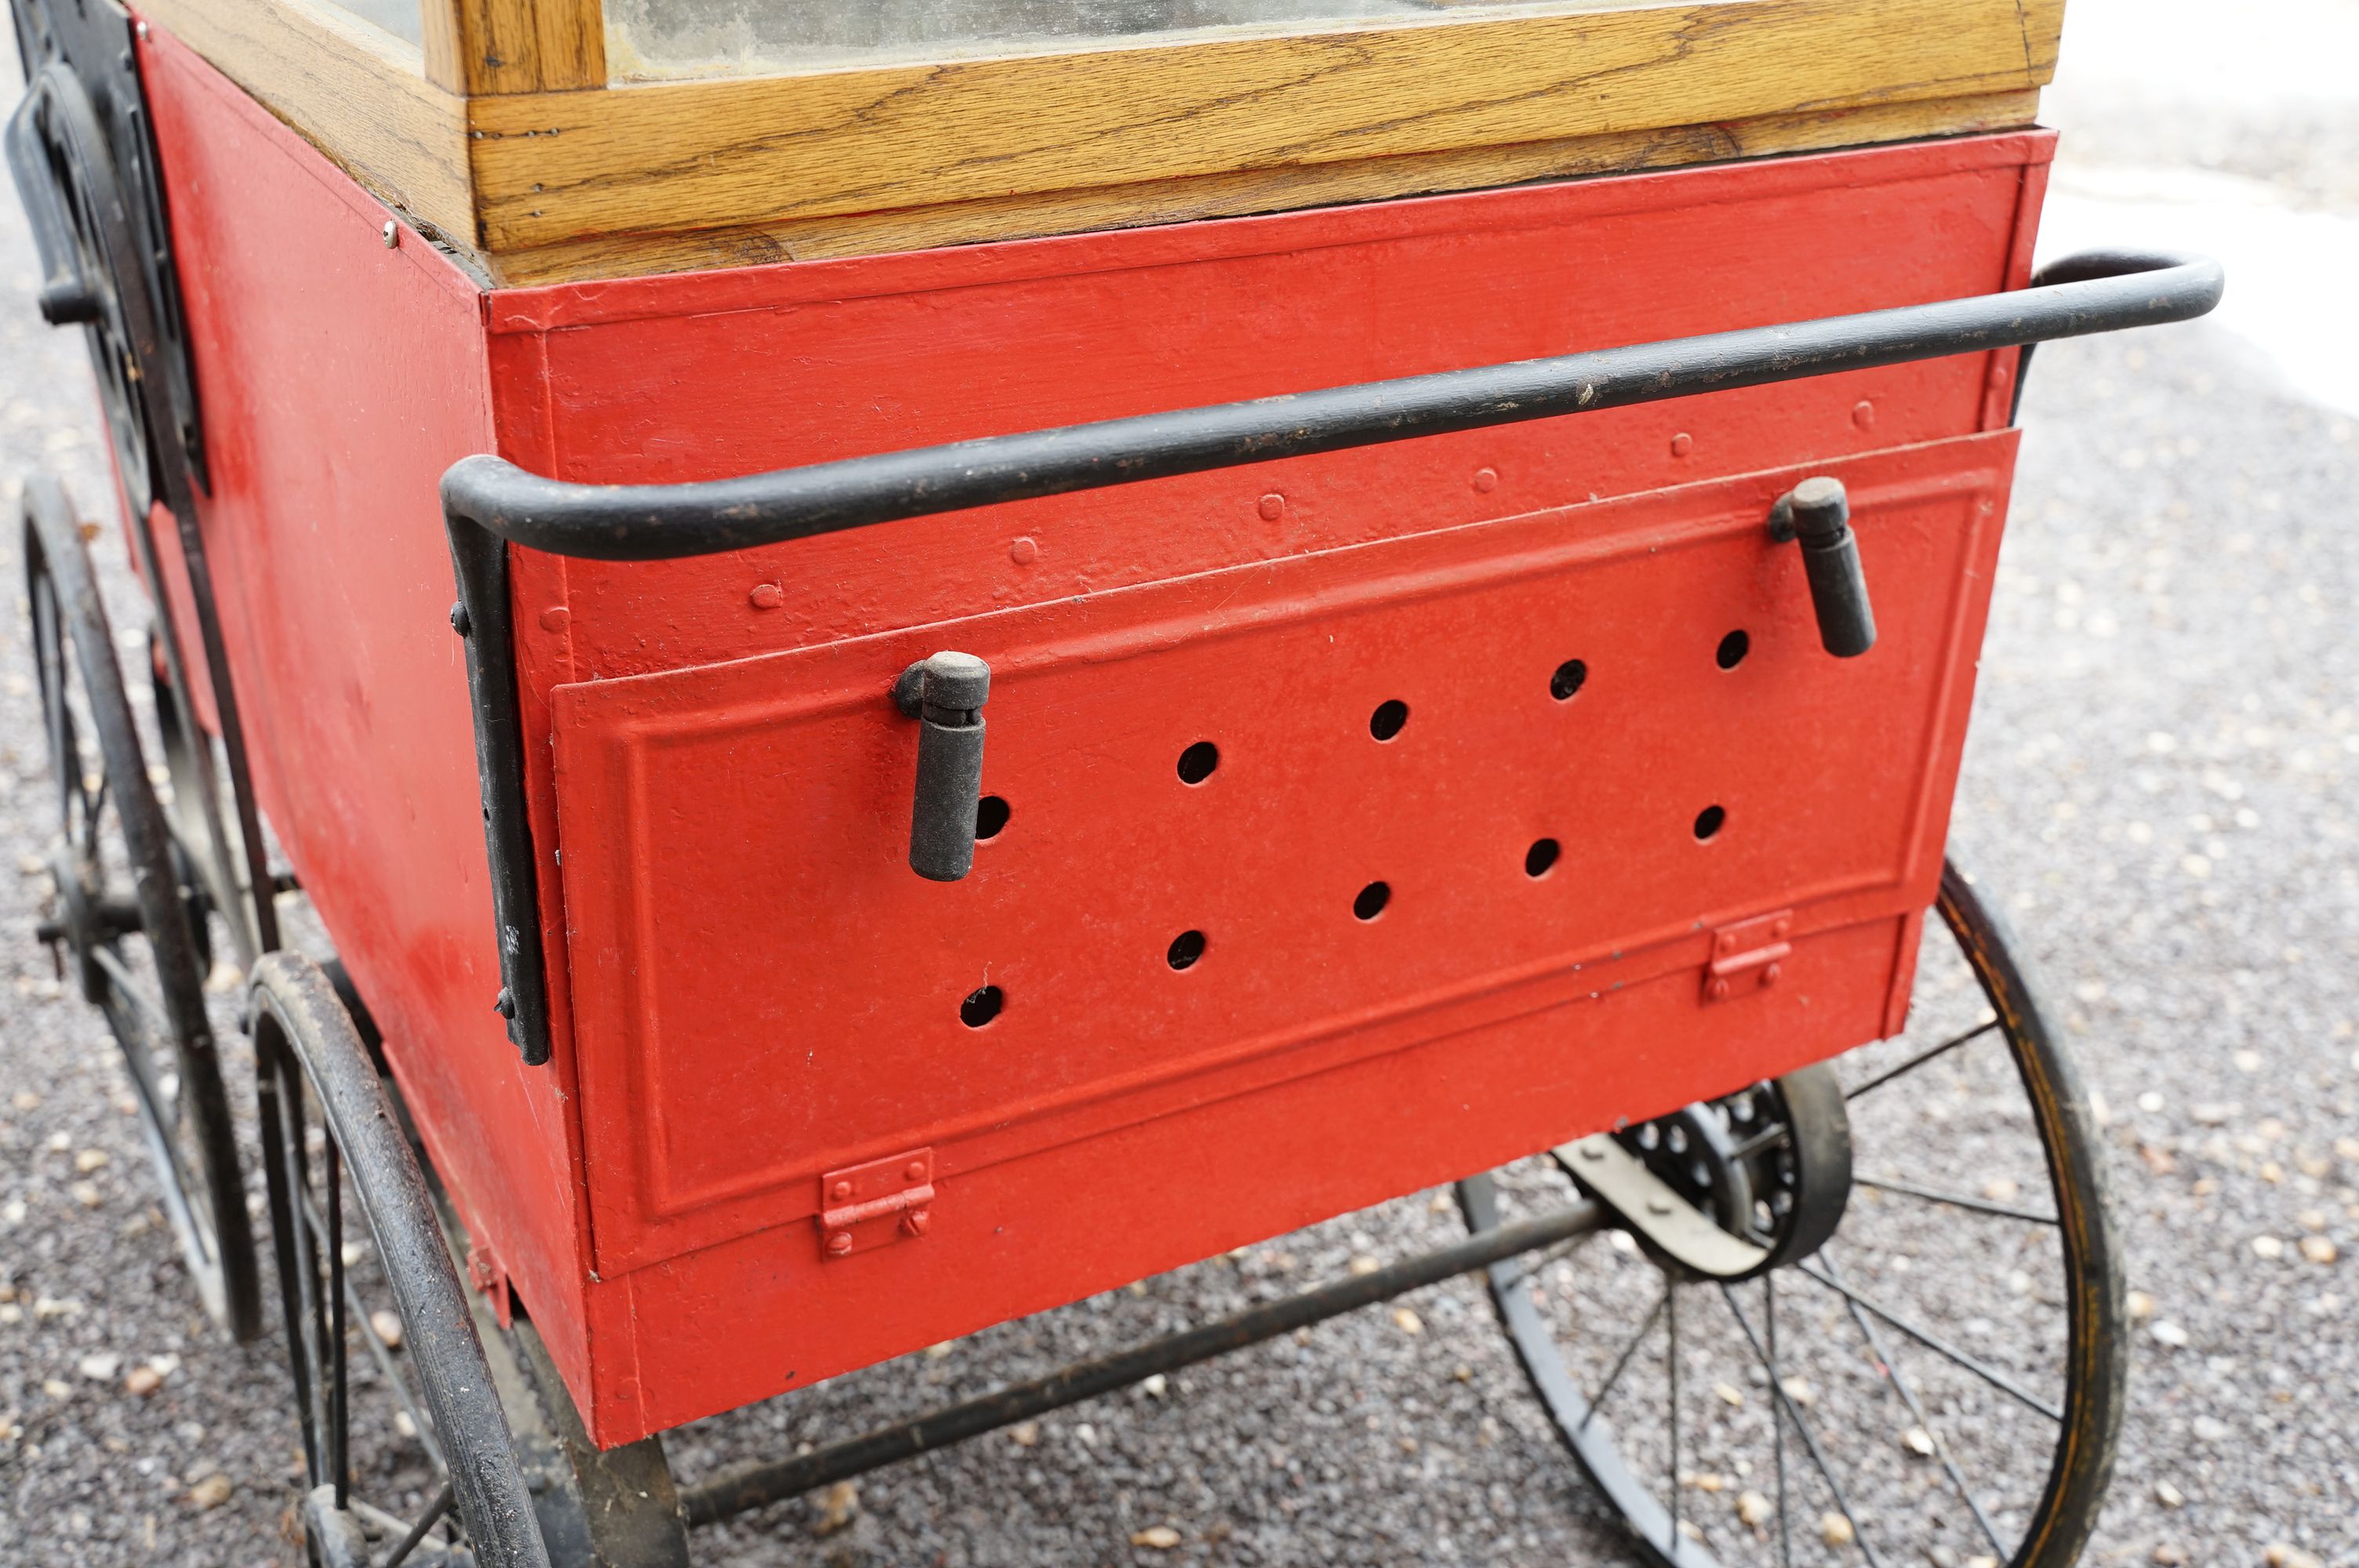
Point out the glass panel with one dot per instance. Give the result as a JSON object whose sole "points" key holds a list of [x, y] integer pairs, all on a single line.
{"points": [[398, 18], [647, 38]]}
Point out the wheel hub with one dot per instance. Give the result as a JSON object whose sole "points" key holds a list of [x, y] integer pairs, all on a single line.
{"points": [[1732, 1187]]}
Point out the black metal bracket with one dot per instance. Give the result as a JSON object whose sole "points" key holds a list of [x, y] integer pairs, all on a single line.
{"points": [[489, 503], [945, 694]]}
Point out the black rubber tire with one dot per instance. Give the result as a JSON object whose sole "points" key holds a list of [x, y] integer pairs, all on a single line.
{"points": [[307, 1053]]}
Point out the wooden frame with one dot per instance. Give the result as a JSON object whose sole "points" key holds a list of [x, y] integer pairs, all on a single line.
{"points": [[503, 133]]}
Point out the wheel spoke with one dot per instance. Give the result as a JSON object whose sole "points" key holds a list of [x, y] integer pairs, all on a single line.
{"points": [[1802, 1426], [339, 1449], [426, 1522], [1671, 1413], [1955, 1200], [1622, 1361], [1777, 1415], [1527, 1269], [1933, 1342], [387, 1366], [1911, 1065], [1916, 1413]]}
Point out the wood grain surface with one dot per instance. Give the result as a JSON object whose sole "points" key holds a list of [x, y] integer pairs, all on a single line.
{"points": [[688, 155], [480, 47], [357, 92], [1257, 190]]}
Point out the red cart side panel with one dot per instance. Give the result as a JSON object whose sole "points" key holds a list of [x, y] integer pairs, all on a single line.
{"points": [[764, 993], [705, 375], [340, 378]]}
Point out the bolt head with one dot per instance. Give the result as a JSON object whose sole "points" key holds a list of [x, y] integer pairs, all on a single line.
{"points": [[839, 1242], [1486, 479], [390, 233], [1273, 507], [1659, 1207], [767, 595], [1024, 551], [1683, 444], [1863, 414]]}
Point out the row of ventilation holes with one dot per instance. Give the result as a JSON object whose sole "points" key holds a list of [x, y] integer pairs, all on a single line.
{"points": [[1197, 762]]}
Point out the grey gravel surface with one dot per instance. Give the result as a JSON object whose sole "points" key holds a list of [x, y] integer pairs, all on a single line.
{"points": [[2161, 775]]}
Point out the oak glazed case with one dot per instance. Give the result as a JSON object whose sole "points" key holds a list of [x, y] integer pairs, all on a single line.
{"points": [[1356, 813]]}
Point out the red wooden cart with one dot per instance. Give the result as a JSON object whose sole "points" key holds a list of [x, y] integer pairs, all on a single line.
{"points": [[1445, 677]]}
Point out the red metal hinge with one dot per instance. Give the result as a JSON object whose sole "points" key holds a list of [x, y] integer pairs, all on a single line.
{"points": [[1750, 956], [865, 1207]]}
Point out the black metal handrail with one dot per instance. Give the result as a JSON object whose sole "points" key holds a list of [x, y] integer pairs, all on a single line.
{"points": [[489, 503]]}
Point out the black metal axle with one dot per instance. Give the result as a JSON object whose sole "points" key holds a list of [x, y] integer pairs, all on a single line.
{"points": [[739, 1488]]}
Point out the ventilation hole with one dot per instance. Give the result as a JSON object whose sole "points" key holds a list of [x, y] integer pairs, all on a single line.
{"points": [[1732, 649], [1372, 900], [1540, 857], [990, 816], [1185, 949], [1387, 720], [1708, 821], [981, 1006], [1566, 679], [1197, 762]]}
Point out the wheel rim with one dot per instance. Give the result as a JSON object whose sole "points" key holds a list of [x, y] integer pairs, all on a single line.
{"points": [[119, 908], [408, 1453], [1952, 1354]]}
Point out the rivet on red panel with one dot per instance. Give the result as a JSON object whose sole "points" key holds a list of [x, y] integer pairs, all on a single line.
{"points": [[767, 595]]}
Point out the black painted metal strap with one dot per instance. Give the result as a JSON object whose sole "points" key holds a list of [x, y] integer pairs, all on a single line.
{"points": [[487, 500]]}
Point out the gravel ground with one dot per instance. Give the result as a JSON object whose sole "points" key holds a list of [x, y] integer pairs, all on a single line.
{"points": [[2161, 775]]}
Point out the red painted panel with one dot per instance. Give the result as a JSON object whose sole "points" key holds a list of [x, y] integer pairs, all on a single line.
{"points": [[764, 992], [703, 375], [340, 378]]}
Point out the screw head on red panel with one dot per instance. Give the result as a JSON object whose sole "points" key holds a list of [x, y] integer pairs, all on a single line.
{"points": [[916, 1221], [1486, 479], [1683, 444], [1273, 507], [1863, 414], [1024, 551], [767, 595], [838, 1243], [555, 618], [916, 1171]]}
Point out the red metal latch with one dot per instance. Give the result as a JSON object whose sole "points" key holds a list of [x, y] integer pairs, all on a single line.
{"points": [[871, 1205], [1748, 956]]}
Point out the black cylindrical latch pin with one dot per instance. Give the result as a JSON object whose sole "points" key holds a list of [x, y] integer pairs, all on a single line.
{"points": [[1816, 513], [945, 693]]}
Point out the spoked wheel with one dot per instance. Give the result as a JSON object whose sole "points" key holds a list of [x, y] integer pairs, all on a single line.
{"points": [[1869, 1312], [121, 912], [407, 1451]]}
